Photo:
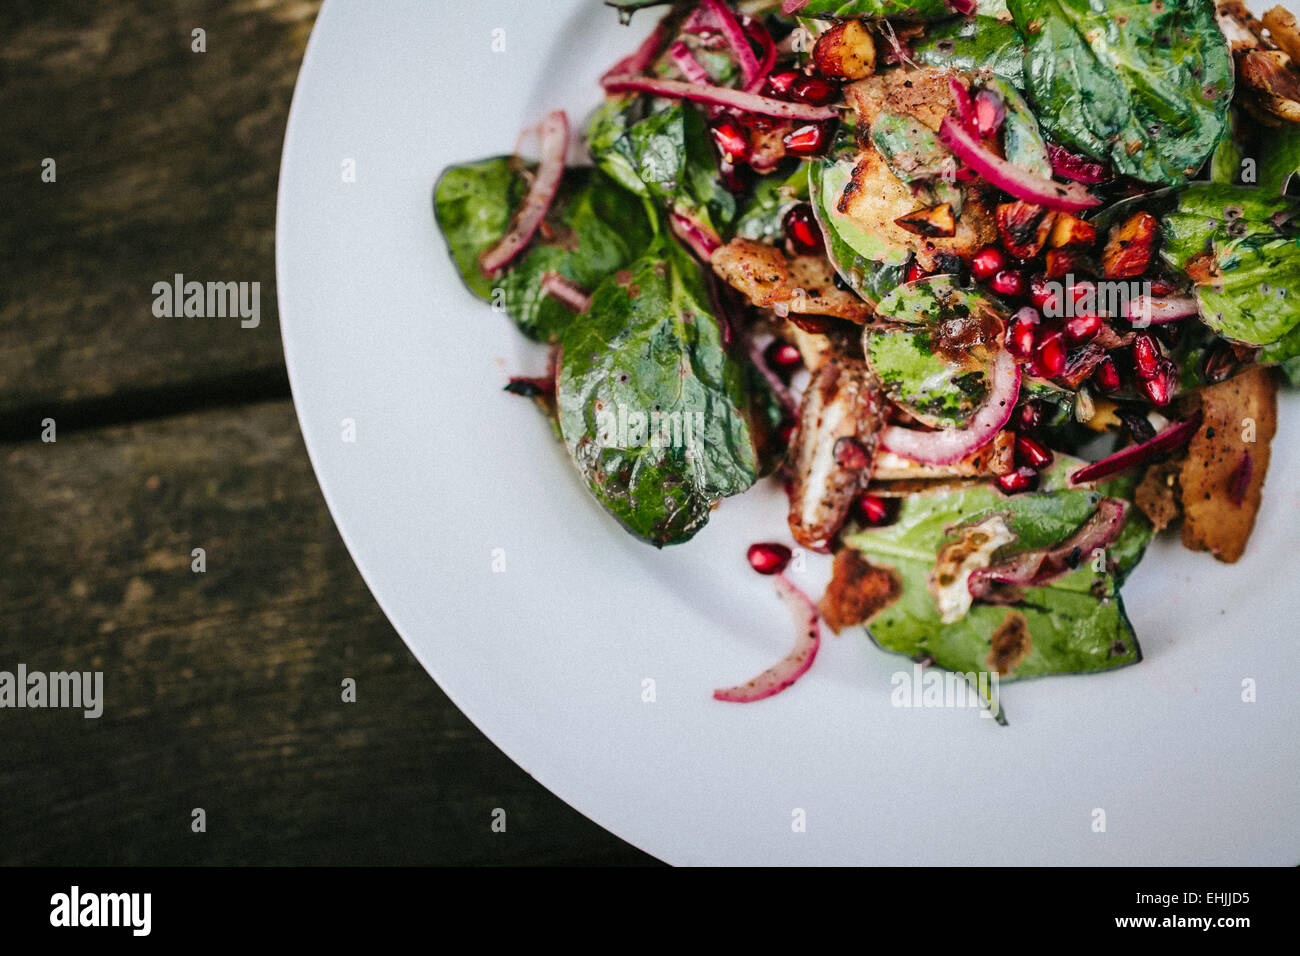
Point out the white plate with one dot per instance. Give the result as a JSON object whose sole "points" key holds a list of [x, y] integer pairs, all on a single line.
{"points": [[549, 657]]}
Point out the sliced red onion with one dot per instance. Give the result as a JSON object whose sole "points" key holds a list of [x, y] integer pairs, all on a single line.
{"points": [[734, 34], [701, 240], [567, 292], [1068, 165], [1011, 178], [689, 66], [1156, 310], [953, 444], [965, 109], [644, 57], [755, 30], [791, 7], [990, 111], [1167, 439], [554, 146], [790, 668], [1044, 565], [719, 96], [964, 7], [775, 385]]}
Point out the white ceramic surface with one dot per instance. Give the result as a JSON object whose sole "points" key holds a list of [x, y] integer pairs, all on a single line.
{"points": [[549, 658]]}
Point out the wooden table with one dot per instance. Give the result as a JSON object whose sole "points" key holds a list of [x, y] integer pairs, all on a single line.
{"points": [[222, 688]]}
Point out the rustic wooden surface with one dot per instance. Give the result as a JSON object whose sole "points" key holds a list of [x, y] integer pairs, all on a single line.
{"points": [[222, 688]]}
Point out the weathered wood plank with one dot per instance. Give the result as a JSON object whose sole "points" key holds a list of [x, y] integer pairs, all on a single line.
{"points": [[166, 162], [222, 688]]}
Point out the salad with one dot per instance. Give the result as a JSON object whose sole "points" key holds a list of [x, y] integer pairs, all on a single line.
{"points": [[997, 289]]}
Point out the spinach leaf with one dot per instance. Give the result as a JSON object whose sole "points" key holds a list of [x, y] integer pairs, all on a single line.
{"points": [[894, 9], [1258, 299], [663, 155], [595, 229], [764, 215], [1145, 85], [986, 41], [654, 411], [1281, 159], [1076, 624], [932, 299], [871, 265]]}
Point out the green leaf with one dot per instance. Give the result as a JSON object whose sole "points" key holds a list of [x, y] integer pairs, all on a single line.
{"points": [[1144, 85], [1076, 624], [894, 9], [1258, 301], [653, 409], [910, 148], [763, 217], [595, 228], [939, 393], [663, 156], [986, 41], [871, 265], [1281, 159]]}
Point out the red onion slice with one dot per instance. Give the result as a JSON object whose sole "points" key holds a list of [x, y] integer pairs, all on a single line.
{"points": [[1044, 565], [701, 240], [791, 7], [689, 66], [1156, 310], [791, 667], [734, 34], [1168, 439], [1067, 165], [953, 444], [755, 30], [719, 96], [567, 292], [1010, 178], [644, 57], [965, 109], [554, 145]]}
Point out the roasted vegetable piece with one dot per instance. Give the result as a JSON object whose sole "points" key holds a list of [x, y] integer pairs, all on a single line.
{"points": [[1240, 419], [1024, 227], [1129, 247], [932, 222], [846, 51], [801, 285], [1069, 230], [1281, 26]]}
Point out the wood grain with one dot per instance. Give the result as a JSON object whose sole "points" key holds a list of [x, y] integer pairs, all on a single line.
{"points": [[223, 688]]}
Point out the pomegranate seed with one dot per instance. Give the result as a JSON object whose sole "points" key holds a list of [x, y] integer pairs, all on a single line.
{"points": [[1044, 296], [807, 140], [786, 432], [1146, 356], [782, 356], [731, 139], [850, 454], [1107, 375], [1009, 282], [1029, 416], [1021, 479], [987, 262], [816, 324], [754, 122], [1049, 354], [802, 230], [914, 271], [1083, 328], [874, 509], [1160, 387], [1081, 290], [778, 84], [1029, 452], [813, 90], [769, 557], [735, 178], [1021, 333]]}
